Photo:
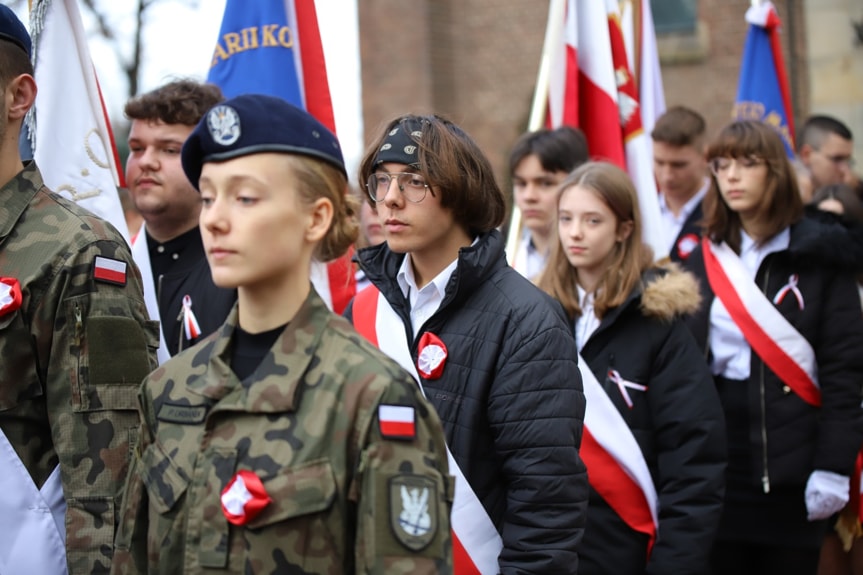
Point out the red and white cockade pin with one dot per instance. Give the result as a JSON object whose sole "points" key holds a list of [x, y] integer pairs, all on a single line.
{"points": [[686, 244], [190, 322], [244, 497], [622, 384], [791, 286], [10, 295], [432, 356]]}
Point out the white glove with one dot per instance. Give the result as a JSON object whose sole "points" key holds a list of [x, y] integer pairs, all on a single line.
{"points": [[826, 493]]}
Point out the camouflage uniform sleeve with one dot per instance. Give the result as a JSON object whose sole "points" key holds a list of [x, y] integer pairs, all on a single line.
{"points": [[403, 489], [94, 345]]}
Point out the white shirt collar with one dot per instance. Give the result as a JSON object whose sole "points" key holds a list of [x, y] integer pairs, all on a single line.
{"points": [[777, 243], [751, 254], [587, 322], [689, 206], [408, 283]]}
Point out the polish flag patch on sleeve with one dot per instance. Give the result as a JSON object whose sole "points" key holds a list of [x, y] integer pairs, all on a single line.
{"points": [[109, 271], [397, 421]]}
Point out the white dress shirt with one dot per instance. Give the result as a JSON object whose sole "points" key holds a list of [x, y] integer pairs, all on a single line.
{"points": [[732, 354], [587, 322], [673, 224], [426, 301], [527, 260]]}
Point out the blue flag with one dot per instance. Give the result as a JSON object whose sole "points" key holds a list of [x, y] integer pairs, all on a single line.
{"points": [[273, 47], [762, 92]]}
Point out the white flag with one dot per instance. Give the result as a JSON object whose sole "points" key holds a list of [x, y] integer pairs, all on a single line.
{"points": [[70, 133]]}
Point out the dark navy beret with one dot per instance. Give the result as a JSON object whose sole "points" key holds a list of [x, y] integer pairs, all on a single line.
{"points": [[254, 124], [12, 30]]}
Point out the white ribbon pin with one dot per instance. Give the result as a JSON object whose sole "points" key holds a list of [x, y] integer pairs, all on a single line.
{"points": [[622, 384], [791, 286]]}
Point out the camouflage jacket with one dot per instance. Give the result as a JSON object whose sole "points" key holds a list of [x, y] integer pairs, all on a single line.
{"points": [[348, 491], [73, 355]]}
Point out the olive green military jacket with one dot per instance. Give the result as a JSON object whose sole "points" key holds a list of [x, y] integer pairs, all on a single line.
{"points": [[72, 356], [342, 488]]}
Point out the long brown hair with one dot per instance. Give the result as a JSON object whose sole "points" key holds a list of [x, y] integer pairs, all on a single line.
{"points": [[628, 260], [780, 206]]}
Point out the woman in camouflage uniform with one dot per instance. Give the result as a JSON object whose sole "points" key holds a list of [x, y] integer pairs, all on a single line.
{"points": [[283, 443]]}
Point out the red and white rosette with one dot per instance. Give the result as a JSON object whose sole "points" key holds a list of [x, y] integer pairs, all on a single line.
{"points": [[10, 295], [244, 497], [432, 356], [686, 244]]}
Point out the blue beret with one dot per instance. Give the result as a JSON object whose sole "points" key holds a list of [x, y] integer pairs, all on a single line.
{"points": [[12, 30], [254, 124]]}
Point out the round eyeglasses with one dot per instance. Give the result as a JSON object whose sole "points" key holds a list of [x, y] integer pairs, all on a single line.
{"points": [[412, 186], [721, 165]]}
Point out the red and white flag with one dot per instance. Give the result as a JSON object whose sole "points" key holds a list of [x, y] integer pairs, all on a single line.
{"points": [[582, 86], [397, 421], [69, 129], [640, 36], [637, 144], [591, 87]]}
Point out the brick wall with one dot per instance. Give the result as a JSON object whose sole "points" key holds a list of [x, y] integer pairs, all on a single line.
{"points": [[476, 61], [472, 60]]}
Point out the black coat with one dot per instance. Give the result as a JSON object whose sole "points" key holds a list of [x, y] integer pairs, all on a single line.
{"points": [[800, 437], [510, 400], [677, 422], [211, 304]]}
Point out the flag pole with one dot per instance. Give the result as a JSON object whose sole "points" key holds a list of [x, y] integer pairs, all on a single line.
{"points": [[553, 34]]}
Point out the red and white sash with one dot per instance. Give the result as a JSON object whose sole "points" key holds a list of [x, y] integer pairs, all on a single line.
{"points": [[476, 541], [615, 464], [787, 353], [32, 520]]}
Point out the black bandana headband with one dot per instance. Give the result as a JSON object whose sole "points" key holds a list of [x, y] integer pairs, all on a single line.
{"points": [[400, 146]]}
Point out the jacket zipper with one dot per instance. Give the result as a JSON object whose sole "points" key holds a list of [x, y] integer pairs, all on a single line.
{"points": [[79, 326], [765, 476]]}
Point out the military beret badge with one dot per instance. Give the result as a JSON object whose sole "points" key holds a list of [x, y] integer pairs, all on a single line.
{"points": [[432, 356], [244, 497], [10, 295]]}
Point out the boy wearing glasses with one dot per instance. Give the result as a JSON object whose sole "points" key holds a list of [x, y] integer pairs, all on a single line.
{"points": [[493, 354]]}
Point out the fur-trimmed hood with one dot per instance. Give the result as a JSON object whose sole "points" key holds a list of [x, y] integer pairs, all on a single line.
{"points": [[669, 292]]}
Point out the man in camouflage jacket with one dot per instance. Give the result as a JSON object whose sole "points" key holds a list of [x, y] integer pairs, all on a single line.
{"points": [[75, 344]]}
